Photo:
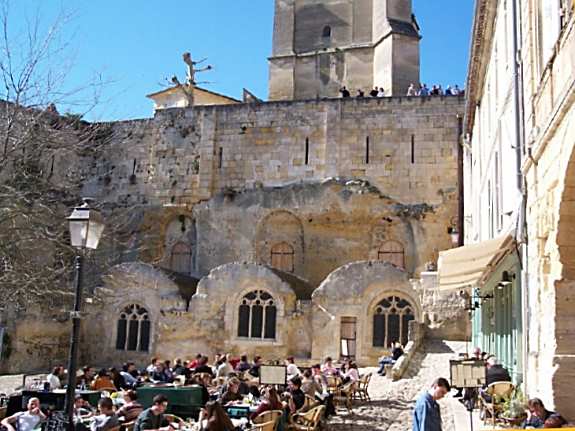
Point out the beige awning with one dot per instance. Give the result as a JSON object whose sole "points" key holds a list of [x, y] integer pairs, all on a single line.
{"points": [[469, 265]]}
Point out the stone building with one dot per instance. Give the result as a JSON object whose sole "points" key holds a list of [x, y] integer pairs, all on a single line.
{"points": [[286, 227], [519, 187], [320, 46]]}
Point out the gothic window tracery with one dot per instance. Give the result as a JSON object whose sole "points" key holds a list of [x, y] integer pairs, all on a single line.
{"points": [[392, 252], [283, 257], [133, 329], [257, 316], [391, 321]]}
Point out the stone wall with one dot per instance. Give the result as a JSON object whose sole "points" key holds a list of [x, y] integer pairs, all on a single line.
{"points": [[186, 155], [550, 180]]}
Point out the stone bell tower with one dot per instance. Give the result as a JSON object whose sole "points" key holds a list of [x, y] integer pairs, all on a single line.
{"points": [[321, 45]]}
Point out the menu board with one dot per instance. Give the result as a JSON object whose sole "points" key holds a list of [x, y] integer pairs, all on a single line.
{"points": [[273, 375], [467, 373]]}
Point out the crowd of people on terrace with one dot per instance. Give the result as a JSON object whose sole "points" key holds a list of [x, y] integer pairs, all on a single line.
{"points": [[414, 90], [226, 382]]}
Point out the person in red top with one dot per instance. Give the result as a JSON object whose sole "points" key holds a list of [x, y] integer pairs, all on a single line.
{"points": [[194, 364], [270, 401]]}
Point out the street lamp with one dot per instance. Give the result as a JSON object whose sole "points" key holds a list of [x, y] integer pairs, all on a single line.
{"points": [[86, 227]]}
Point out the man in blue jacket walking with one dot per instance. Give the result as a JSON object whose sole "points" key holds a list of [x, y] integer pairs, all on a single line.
{"points": [[426, 415]]}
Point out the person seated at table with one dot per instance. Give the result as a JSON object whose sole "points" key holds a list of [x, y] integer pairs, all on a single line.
{"points": [[127, 373], [396, 353], [244, 364], [197, 380], [539, 417], [152, 366], [214, 418], [27, 420], [103, 382], [328, 369], [203, 367], [153, 418], [292, 369], [322, 395], [224, 368], [179, 369], [55, 377], [255, 368], [82, 408], [159, 375], [309, 385], [296, 397], [351, 375], [118, 379], [232, 393], [107, 419], [270, 401], [131, 408], [84, 379], [495, 373], [195, 362]]}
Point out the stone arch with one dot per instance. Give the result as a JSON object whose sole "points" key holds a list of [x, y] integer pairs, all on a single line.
{"points": [[279, 227], [354, 290], [180, 238], [393, 231], [554, 251]]}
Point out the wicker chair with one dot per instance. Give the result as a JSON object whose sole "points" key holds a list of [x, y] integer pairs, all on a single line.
{"points": [[344, 395], [268, 416], [308, 421], [333, 382], [127, 426], [361, 389], [266, 426], [499, 393]]}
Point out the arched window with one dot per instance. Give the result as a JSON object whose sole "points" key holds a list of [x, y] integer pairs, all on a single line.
{"points": [[257, 316], [181, 258], [326, 33], [282, 257], [133, 329], [392, 252], [391, 321]]}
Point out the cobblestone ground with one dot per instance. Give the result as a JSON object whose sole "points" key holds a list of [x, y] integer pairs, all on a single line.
{"points": [[392, 402]]}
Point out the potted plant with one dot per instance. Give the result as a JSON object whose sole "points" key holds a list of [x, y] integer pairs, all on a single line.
{"points": [[514, 409]]}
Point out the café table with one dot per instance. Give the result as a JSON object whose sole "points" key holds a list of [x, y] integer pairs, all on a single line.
{"points": [[184, 401]]}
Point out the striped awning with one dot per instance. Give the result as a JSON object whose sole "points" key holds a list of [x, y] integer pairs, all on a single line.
{"points": [[470, 265]]}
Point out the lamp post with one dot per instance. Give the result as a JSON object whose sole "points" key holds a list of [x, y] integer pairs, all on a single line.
{"points": [[86, 227]]}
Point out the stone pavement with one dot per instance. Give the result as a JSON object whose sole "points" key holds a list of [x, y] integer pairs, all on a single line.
{"points": [[392, 402]]}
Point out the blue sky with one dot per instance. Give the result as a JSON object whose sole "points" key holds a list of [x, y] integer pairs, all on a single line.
{"points": [[136, 45]]}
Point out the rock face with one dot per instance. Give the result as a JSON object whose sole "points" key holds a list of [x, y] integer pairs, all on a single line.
{"points": [[210, 204]]}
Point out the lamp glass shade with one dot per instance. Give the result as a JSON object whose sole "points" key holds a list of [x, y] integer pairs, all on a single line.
{"points": [[454, 237], [86, 227]]}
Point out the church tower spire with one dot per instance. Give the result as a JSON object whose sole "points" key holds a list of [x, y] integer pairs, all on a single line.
{"points": [[321, 45]]}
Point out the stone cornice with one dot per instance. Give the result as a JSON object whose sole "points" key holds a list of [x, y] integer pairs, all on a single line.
{"points": [[481, 42]]}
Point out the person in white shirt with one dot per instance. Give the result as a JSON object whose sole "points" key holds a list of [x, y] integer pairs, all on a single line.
{"points": [[54, 378], [225, 367], [351, 375], [292, 369], [381, 92], [411, 91], [25, 421]]}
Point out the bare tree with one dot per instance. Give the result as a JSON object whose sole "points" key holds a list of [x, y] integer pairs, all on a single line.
{"points": [[43, 156]]}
